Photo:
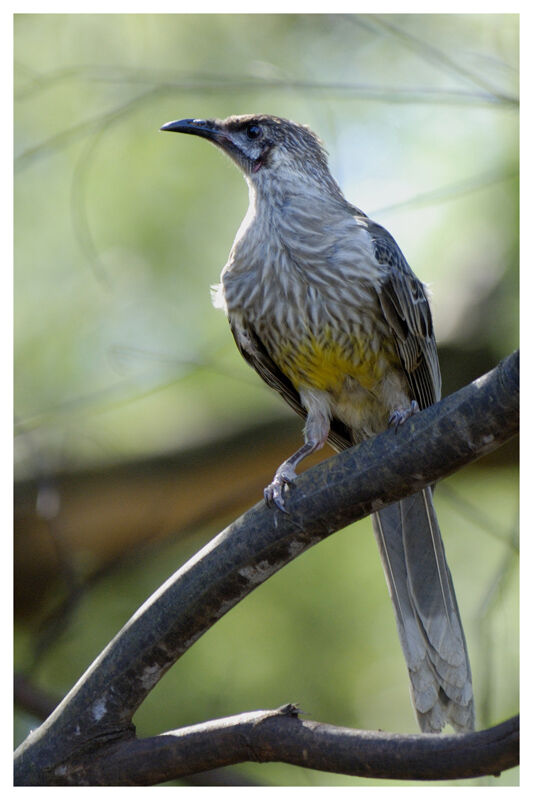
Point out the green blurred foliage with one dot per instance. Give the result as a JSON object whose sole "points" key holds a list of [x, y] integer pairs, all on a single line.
{"points": [[121, 230]]}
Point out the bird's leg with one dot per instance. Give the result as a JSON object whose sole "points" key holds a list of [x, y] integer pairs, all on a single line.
{"points": [[315, 432], [401, 415], [285, 476]]}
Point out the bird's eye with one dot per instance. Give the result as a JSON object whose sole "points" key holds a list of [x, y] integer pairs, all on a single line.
{"points": [[253, 131]]}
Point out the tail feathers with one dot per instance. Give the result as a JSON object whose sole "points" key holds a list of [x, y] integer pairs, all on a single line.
{"points": [[427, 614]]}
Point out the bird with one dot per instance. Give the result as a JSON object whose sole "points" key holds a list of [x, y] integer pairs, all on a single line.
{"points": [[323, 305]]}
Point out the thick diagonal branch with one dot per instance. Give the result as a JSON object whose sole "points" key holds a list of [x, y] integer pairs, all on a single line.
{"points": [[433, 444]]}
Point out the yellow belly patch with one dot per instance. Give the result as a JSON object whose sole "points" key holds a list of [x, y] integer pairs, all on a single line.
{"points": [[324, 364]]}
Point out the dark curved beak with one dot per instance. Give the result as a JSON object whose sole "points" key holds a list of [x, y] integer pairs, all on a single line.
{"points": [[207, 128], [215, 132]]}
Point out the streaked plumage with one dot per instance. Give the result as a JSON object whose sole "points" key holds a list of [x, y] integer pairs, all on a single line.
{"points": [[324, 306]]}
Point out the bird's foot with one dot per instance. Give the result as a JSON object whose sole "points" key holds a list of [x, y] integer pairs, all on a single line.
{"points": [[284, 477], [401, 415]]}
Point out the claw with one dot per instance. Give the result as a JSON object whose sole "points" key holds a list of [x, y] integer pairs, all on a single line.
{"points": [[273, 493], [401, 415]]}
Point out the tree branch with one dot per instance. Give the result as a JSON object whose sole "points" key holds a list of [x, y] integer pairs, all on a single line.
{"points": [[279, 735], [431, 445]]}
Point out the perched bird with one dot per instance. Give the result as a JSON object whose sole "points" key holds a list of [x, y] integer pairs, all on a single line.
{"points": [[324, 306]]}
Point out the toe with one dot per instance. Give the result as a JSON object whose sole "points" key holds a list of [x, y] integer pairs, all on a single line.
{"points": [[401, 415], [274, 495], [274, 492]]}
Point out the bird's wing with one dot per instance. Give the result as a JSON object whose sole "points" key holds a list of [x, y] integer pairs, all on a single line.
{"points": [[406, 308], [254, 351]]}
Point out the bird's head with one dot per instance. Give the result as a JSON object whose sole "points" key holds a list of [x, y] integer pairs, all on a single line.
{"points": [[266, 148]]}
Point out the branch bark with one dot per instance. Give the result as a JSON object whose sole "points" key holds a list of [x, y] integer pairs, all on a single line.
{"points": [[431, 445], [279, 735]]}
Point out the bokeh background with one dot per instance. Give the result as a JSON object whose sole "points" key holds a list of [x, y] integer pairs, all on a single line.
{"points": [[140, 433]]}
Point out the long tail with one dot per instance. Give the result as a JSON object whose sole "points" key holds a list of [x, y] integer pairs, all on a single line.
{"points": [[427, 615]]}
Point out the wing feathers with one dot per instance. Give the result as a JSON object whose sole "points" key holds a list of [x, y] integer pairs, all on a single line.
{"points": [[405, 306]]}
